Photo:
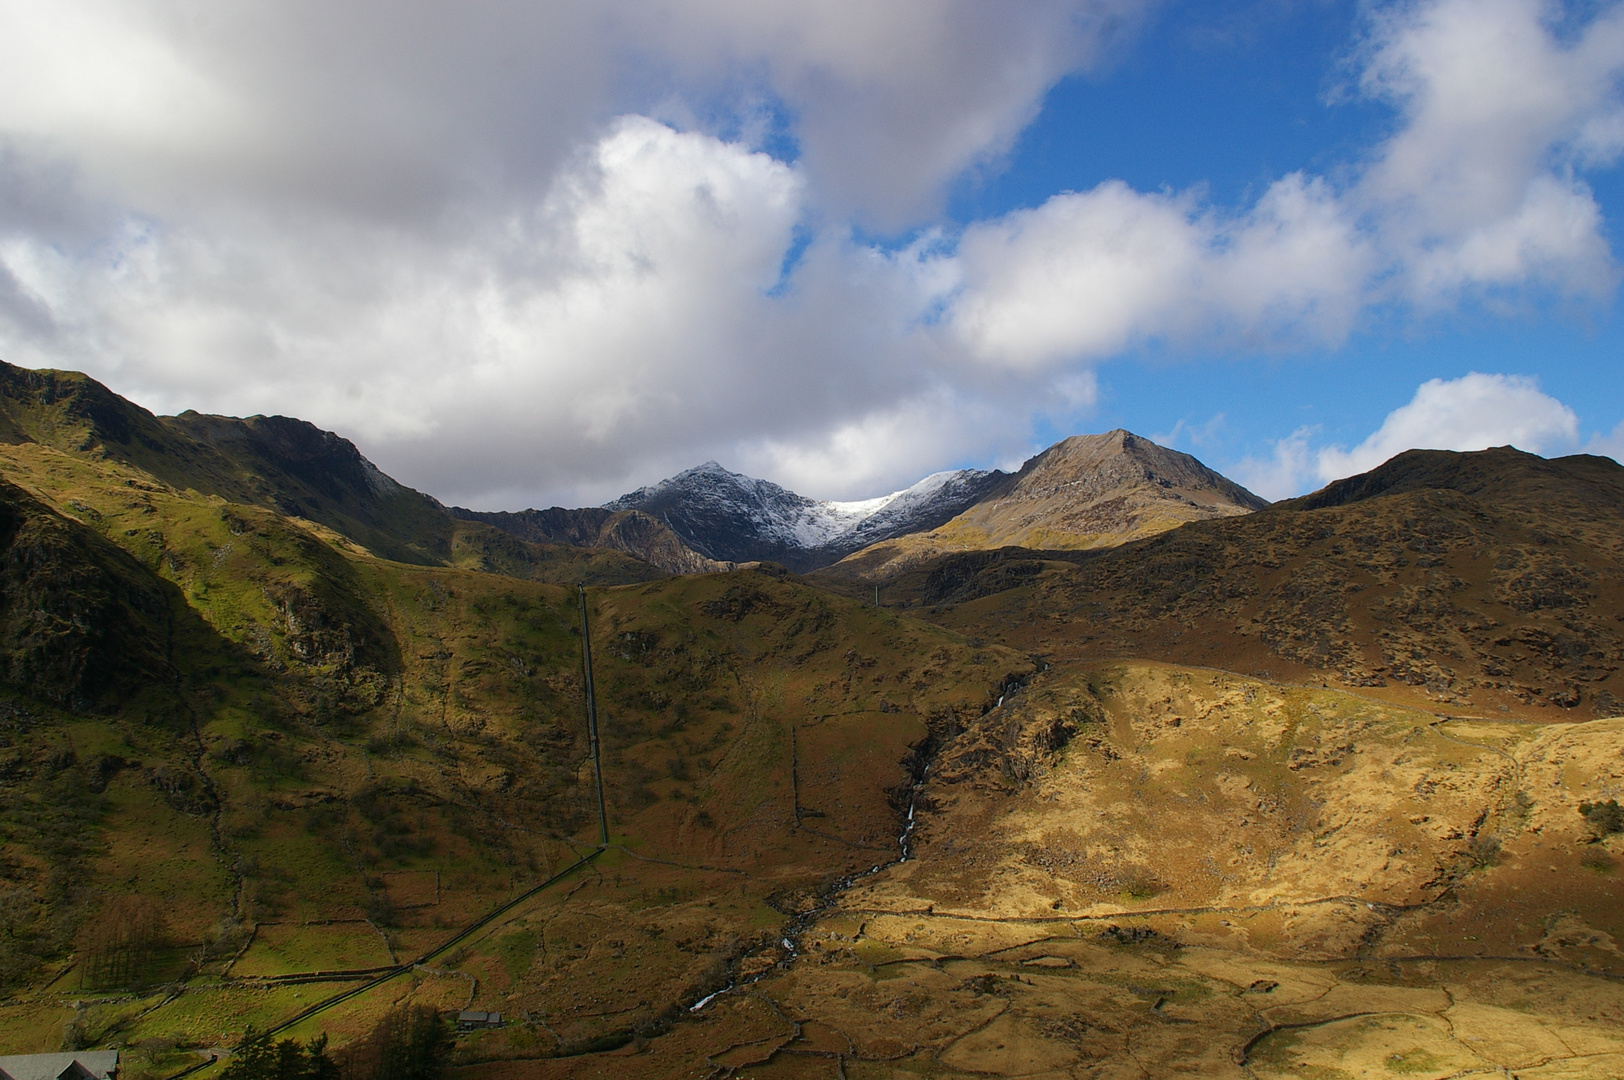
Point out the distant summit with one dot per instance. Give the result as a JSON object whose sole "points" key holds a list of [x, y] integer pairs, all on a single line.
{"points": [[727, 516], [1088, 491]]}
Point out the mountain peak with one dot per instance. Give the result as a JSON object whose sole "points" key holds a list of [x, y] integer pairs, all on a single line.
{"points": [[1086, 491], [731, 517], [1120, 458]]}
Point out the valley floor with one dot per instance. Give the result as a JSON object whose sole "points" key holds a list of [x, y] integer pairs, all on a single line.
{"points": [[1124, 870]]}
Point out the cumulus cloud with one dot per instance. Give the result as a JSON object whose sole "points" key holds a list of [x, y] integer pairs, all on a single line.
{"points": [[1477, 187], [462, 236], [1091, 274], [1608, 445], [1473, 412], [393, 108], [1475, 191], [442, 231]]}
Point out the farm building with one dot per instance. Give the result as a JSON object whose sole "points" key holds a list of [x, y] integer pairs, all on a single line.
{"points": [[80, 1065]]}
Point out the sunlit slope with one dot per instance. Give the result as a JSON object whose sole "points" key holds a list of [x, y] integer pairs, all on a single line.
{"points": [[349, 758], [1144, 870], [1483, 581], [1085, 492]]}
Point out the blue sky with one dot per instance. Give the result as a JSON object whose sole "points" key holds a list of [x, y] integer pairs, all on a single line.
{"points": [[1226, 98], [546, 253]]}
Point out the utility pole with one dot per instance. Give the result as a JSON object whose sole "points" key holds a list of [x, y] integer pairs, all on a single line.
{"points": [[592, 720]]}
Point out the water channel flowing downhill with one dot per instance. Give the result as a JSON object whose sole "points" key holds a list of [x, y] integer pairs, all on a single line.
{"points": [[789, 941]]}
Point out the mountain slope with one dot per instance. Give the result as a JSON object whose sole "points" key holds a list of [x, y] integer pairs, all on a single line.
{"points": [[303, 471], [1088, 491], [282, 464], [1491, 579], [300, 757], [630, 531], [82, 623], [731, 517]]}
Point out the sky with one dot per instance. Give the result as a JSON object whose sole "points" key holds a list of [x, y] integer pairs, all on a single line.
{"points": [[535, 253]]}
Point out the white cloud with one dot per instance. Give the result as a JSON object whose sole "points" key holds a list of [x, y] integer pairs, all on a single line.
{"points": [[424, 226], [1086, 274], [1609, 445], [891, 99], [391, 109], [457, 235], [1475, 188], [1091, 274], [1473, 192], [1284, 473], [1472, 412]]}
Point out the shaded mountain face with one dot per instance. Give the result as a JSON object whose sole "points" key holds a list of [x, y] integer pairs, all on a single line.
{"points": [[274, 461], [630, 531], [282, 464], [306, 472], [1490, 580], [726, 516], [1088, 491], [82, 623]]}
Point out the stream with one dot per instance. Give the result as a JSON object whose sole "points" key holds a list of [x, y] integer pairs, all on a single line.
{"points": [[789, 941]]}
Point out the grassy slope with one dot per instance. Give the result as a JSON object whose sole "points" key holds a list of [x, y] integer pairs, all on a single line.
{"points": [[347, 757], [279, 464], [343, 727]]}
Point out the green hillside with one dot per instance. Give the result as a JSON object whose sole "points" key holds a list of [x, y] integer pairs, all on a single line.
{"points": [[306, 758]]}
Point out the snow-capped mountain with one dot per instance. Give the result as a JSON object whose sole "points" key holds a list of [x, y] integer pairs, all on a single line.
{"points": [[727, 516]]}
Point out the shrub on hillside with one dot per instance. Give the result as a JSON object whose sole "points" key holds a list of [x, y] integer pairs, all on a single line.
{"points": [[1604, 818]]}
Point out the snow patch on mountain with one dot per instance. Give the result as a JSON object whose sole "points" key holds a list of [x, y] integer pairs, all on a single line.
{"points": [[729, 515]]}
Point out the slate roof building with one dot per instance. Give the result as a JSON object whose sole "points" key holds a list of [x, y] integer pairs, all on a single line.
{"points": [[79, 1065], [474, 1019]]}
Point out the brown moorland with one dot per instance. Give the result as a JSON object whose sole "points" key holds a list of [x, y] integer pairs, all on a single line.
{"points": [[1490, 582]]}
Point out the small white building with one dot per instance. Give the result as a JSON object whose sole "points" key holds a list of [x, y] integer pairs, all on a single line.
{"points": [[79, 1065]]}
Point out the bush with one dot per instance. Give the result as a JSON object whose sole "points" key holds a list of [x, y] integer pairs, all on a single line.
{"points": [[1483, 851], [1598, 860], [1604, 818]]}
